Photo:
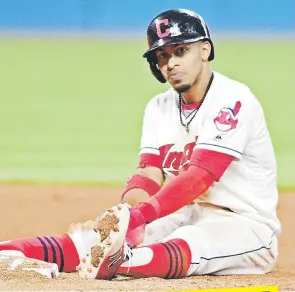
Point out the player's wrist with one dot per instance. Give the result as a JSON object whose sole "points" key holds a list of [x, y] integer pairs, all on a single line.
{"points": [[136, 228], [144, 213]]}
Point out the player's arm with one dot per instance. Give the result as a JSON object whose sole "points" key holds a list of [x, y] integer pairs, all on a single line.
{"points": [[148, 178], [206, 167]]}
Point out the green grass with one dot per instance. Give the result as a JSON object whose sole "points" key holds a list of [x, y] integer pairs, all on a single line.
{"points": [[71, 110]]}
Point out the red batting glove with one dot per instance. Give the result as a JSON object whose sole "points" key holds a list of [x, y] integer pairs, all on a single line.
{"points": [[136, 228], [140, 215]]}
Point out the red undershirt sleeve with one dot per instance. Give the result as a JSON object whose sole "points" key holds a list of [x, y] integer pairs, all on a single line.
{"points": [[214, 162]]}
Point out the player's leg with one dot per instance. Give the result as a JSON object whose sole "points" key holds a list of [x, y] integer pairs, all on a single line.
{"points": [[52, 249], [156, 231], [65, 250], [167, 260], [174, 255], [222, 245], [229, 244]]}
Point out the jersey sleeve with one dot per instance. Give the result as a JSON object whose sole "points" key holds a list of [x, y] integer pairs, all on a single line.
{"points": [[149, 145], [230, 128]]}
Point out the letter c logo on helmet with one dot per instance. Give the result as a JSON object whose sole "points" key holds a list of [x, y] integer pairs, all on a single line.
{"points": [[158, 26], [171, 27]]}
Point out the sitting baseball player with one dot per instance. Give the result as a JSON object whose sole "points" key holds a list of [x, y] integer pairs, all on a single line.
{"points": [[203, 200]]}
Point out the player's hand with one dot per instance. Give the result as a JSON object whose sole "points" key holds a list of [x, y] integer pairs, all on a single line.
{"points": [[136, 228]]}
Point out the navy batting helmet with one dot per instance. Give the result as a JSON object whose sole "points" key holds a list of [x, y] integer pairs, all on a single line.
{"points": [[176, 26]]}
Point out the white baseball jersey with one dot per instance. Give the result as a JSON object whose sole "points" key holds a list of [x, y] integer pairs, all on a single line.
{"points": [[230, 121]]}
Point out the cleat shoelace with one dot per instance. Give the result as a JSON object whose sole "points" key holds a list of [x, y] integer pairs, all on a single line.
{"points": [[128, 255]]}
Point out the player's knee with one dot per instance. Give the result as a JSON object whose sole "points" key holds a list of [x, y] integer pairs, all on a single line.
{"points": [[191, 234], [183, 232]]}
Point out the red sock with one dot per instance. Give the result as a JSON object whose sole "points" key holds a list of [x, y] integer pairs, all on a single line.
{"points": [[169, 260], [54, 249]]}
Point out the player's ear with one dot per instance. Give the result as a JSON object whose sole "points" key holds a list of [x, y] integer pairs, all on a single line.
{"points": [[205, 50]]}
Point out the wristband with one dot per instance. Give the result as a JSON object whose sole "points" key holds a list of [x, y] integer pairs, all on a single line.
{"points": [[138, 181]]}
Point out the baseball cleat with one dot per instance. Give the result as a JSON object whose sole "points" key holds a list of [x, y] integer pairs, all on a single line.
{"points": [[104, 257]]}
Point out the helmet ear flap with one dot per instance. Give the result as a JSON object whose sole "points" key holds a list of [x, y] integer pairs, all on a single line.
{"points": [[154, 68], [212, 54]]}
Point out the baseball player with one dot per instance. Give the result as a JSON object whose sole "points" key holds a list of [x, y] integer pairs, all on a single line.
{"points": [[204, 197]]}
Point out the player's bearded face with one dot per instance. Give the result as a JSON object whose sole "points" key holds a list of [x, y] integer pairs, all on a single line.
{"points": [[181, 64]]}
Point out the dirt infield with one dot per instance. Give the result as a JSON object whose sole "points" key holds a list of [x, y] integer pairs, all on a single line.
{"points": [[40, 210]]}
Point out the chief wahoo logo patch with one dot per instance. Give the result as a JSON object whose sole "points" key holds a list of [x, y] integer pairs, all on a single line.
{"points": [[226, 119]]}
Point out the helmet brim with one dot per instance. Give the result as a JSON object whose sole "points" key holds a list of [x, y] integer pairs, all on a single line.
{"points": [[175, 41]]}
